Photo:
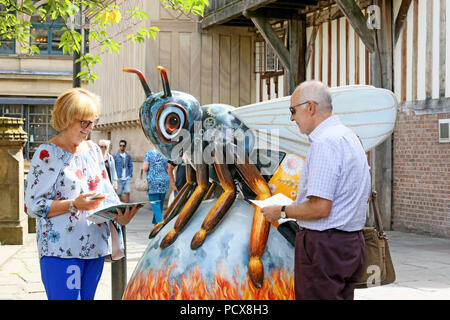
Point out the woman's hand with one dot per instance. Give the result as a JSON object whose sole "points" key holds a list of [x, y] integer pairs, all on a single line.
{"points": [[82, 203], [124, 218]]}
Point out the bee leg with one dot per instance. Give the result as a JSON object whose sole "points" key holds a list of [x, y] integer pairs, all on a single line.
{"points": [[190, 206], [178, 202], [210, 191], [260, 226], [220, 207]]}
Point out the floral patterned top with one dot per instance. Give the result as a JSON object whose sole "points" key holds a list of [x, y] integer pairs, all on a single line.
{"points": [[157, 176], [56, 174]]}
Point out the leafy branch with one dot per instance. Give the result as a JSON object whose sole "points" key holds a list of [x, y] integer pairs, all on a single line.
{"points": [[187, 7], [15, 24]]}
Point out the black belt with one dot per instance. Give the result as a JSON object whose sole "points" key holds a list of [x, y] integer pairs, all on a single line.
{"points": [[328, 230]]}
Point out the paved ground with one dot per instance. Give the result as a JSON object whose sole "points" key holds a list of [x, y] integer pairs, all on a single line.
{"points": [[422, 265]]}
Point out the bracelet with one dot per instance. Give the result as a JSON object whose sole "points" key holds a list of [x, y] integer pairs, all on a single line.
{"points": [[72, 208]]}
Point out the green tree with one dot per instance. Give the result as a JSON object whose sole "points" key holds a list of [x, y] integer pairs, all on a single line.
{"points": [[15, 24]]}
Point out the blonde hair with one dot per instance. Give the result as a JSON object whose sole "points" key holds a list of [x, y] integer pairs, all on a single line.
{"points": [[74, 104], [106, 142]]}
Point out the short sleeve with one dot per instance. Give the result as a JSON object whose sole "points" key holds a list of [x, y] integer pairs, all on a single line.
{"points": [[40, 184], [324, 170], [147, 156]]}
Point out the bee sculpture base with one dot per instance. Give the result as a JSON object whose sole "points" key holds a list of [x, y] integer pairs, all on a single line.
{"points": [[218, 269]]}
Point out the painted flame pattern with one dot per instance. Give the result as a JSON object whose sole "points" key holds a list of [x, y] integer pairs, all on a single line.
{"points": [[277, 285]]}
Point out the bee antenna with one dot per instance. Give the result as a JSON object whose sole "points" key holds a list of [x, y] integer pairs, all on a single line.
{"points": [[141, 76], [165, 81]]}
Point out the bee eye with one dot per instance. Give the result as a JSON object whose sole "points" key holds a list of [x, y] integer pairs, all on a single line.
{"points": [[171, 120], [172, 123]]}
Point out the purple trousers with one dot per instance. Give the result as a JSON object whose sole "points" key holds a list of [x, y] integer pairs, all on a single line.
{"points": [[327, 264]]}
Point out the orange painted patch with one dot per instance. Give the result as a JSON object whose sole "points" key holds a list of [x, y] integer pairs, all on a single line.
{"points": [[277, 285], [286, 178]]}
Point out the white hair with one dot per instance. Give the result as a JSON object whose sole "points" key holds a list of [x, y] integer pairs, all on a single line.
{"points": [[106, 142], [319, 92]]}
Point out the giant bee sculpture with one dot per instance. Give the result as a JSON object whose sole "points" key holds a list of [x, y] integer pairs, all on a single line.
{"points": [[261, 135], [175, 122]]}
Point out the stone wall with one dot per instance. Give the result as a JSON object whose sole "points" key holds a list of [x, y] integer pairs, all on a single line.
{"points": [[13, 220]]}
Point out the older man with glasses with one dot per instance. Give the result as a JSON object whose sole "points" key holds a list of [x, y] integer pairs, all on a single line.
{"points": [[331, 202], [124, 169]]}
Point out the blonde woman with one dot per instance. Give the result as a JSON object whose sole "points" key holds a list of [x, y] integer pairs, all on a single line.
{"points": [[109, 162], [63, 174]]}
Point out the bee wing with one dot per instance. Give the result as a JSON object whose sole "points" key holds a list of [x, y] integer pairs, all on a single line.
{"points": [[369, 111]]}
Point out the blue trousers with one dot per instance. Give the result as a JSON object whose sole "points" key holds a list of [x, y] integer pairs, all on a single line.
{"points": [[71, 279], [157, 207]]}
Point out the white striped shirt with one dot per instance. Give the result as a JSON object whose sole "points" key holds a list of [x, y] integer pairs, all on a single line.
{"points": [[336, 169]]}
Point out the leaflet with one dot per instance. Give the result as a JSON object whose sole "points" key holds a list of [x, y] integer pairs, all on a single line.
{"points": [[104, 215], [277, 200]]}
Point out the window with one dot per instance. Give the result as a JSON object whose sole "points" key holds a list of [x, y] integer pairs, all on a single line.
{"points": [[259, 56], [265, 58], [270, 59], [6, 45], [47, 35], [36, 124]]}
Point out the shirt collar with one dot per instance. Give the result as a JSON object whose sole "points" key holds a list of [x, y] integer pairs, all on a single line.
{"points": [[328, 122]]}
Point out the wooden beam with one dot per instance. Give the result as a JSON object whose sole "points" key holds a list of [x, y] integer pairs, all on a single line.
{"points": [[442, 47], [381, 76], [297, 48], [269, 35], [401, 18], [311, 44], [356, 18], [331, 13], [231, 11], [283, 14]]}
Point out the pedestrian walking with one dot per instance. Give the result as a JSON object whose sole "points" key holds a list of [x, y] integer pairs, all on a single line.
{"points": [[124, 170], [155, 164]]}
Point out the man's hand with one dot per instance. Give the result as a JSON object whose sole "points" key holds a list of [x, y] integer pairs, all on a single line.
{"points": [[271, 213]]}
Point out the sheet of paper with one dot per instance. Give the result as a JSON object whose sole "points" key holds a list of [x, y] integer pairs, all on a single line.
{"points": [[278, 199]]}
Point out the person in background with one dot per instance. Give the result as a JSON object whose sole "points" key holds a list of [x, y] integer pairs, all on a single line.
{"points": [[331, 203], [109, 162], [124, 169], [64, 174], [177, 180], [155, 164]]}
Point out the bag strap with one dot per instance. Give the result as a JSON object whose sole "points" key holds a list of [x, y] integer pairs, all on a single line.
{"points": [[376, 210]]}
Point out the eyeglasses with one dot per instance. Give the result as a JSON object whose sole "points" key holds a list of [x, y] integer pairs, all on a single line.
{"points": [[86, 123], [102, 147], [122, 145], [292, 109]]}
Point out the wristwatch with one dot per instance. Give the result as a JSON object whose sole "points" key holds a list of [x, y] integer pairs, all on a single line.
{"points": [[72, 208], [283, 212]]}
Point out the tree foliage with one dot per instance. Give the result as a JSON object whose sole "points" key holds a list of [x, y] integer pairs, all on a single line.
{"points": [[15, 24]]}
